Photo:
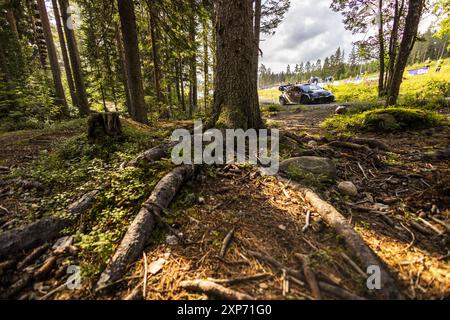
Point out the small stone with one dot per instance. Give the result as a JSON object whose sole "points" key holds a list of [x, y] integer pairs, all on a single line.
{"points": [[282, 227], [312, 143], [348, 188], [171, 240], [201, 200]]}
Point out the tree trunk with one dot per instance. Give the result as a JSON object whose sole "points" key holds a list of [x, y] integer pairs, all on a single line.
{"points": [[54, 65], [235, 97], [415, 9], [394, 41], [83, 104], [177, 84], [34, 14], [155, 52], [133, 62], [12, 21], [205, 64], [123, 69], [257, 36], [192, 62], [62, 43], [381, 50], [183, 101]]}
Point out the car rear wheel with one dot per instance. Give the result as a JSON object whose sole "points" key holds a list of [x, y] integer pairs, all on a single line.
{"points": [[304, 100], [283, 101]]}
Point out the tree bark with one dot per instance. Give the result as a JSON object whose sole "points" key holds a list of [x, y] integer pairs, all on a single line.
{"points": [[393, 43], [34, 13], [381, 49], [12, 21], [123, 69], [257, 36], [415, 9], [53, 59], [133, 62], [155, 52], [183, 99], [192, 62], [205, 64], [62, 43], [235, 97], [83, 104], [143, 225]]}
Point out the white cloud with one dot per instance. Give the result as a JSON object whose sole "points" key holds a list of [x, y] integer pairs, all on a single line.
{"points": [[310, 31]]}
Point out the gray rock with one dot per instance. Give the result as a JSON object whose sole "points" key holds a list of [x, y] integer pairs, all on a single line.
{"points": [[309, 167], [348, 188]]}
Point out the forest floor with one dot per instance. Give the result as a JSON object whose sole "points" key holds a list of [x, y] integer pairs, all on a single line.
{"points": [[401, 212]]}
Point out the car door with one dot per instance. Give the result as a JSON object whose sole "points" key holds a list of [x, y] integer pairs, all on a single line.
{"points": [[290, 94], [296, 95]]}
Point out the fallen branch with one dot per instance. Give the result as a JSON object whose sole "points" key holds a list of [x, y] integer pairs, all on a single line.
{"points": [[309, 276], [365, 255], [143, 225], [214, 289], [41, 231], [239, 280], [226, 242], [372, 143], [349, 145], [275, 263], [339, 292]]}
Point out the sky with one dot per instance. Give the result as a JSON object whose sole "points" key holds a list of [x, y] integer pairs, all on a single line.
{"points": [[310, 31]]}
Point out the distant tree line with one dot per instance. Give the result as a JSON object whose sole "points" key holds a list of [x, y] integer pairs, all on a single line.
{"points": [[337, 66]]}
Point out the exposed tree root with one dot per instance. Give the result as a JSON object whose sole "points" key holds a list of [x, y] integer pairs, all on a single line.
{"points": [[372, 143], [365, 255], [140, 229], [214, 289], [41, 231]]}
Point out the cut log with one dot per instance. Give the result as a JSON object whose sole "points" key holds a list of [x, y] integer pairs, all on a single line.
{"points": [[141, 228], [41, 231], [365, 255], [214, 289], [152, 155]]}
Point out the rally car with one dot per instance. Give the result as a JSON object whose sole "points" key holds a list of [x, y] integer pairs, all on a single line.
{"points": [[304, 94]]}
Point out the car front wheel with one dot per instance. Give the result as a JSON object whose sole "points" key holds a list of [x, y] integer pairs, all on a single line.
{"points": [[283, 101], [304, 100]]}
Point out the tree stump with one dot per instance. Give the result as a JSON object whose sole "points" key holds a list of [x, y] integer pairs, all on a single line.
{"points": [[104, 124]]}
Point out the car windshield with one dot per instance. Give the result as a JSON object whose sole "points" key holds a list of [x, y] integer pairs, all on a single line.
{"points": [[312, 88]]}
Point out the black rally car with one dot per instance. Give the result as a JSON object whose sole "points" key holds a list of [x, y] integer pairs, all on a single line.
{"points": [[304, 94]]}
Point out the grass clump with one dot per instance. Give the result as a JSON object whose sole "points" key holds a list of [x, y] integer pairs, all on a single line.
{"points": [[386, 120]]}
